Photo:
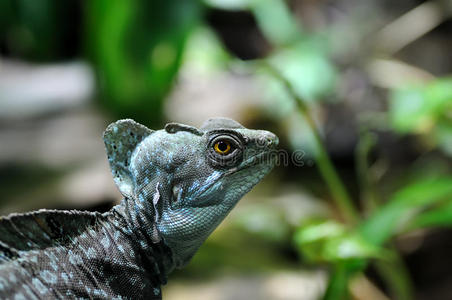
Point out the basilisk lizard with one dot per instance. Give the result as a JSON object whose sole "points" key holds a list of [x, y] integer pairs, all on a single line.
{"points": [[178, 184]]}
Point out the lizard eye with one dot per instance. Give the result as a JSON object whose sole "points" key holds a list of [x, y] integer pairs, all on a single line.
{"points": [[225, 149], [222, 147]]}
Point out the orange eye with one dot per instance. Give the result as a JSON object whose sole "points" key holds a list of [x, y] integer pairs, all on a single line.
{"points": [[222, 147]]}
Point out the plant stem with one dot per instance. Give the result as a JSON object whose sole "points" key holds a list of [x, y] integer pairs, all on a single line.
{"points": [[326, 168], [369, 198], [338, 283], [393, 273], [396, 276]]}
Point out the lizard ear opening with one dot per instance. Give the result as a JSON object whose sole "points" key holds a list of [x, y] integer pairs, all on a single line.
{"points": [[121, 139]]}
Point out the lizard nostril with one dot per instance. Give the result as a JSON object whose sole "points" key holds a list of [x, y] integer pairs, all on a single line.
{"points": [[272, 139], [267, 139]]}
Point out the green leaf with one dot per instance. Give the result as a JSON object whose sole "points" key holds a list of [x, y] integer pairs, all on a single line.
{"points": [[350, 247], [319, 231], [403, 205], [338, 283], [439, 94], [441, 216], [136, 49], [416, 109], [339, 279], [329, 241], [408, 110], [307, 67], [204, 53], [443, 134], [275, 20], [311, 238]]}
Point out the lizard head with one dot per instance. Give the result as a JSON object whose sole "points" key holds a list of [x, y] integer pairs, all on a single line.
{"points": [[186, 180]]}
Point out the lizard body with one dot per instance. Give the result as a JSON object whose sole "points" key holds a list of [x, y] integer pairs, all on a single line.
{"points": [[178, 184]]}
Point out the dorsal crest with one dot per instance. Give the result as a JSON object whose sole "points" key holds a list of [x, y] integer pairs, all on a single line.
{"points": [[121, 138], [40, 230]]}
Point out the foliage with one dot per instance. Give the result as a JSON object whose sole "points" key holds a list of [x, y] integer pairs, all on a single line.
{"points": [[348, 247], [136, 47], [424, 109], [41, 30]]}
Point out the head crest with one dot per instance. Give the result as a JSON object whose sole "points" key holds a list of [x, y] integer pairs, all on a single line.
{"points": [[175, 127], [121, 138], [216, 123]]}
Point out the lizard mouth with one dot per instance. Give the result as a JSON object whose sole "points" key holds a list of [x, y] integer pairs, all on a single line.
{"points": [[266, 157], [263, 158]]}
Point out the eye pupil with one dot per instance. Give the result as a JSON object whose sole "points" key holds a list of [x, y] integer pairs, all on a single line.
{"points": [[222, 146]]}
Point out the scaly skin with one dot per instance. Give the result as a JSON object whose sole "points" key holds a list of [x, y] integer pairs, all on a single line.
{"points": [[178, 184]]}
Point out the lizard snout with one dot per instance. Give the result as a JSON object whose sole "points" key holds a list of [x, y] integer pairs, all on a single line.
{"points": [[267, 139]]}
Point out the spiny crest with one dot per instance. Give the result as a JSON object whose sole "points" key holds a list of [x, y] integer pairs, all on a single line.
{"points": [[121, 138], [41, 229]]}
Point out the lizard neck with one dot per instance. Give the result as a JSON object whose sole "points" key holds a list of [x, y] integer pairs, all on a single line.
{"points": [[155, 256]]}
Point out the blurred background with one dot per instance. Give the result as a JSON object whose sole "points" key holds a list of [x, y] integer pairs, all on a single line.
{"points": [[359, 93]]}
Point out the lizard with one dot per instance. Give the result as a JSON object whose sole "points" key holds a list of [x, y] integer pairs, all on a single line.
{"points": [[177, 183]]}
